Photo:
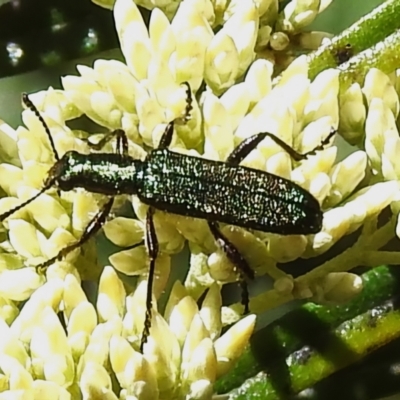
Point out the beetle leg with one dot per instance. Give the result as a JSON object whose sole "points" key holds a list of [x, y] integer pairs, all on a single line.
{"points": [[249, 144], [152, 246], [302, 156], [166, 137], [189, 106], [242, 151], [122, 141], [93, 227], [236, 259]]}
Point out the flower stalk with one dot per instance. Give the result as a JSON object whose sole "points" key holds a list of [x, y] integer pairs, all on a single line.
{"points": [[364, 252]]}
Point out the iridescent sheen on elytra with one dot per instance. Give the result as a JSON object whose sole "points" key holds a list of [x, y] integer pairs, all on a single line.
{"points": [[196, 187]]}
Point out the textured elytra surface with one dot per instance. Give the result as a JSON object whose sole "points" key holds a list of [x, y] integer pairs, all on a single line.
{"points": [[227, 193]]}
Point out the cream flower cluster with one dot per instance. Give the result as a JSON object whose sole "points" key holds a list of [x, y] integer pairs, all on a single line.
{"points": [[234, 97], [144, 94], [90, 352], [279, 28]]}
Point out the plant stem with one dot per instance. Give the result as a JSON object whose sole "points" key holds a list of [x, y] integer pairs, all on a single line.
{"points": [[375, 27], [323, 352]]}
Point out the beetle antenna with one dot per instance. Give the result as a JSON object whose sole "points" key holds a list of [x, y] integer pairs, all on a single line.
{"points": [[32, 107], [25, 203]]}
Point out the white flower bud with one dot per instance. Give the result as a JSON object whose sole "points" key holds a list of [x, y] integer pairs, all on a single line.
{"points": [[33, 142], [133, 36], [380, 126], [11, 346], [19, 284], [201, 389], [170, 241], [210, 311], [336, 223], [279, 164], [312, 40], [79, 91], [8, 139], [299, 66], [221, 63], [298, 13], [242, 27], [352, 113], [279, 41], [286, 248], [46, 210], [120, 83], [193, 35], [55, 98], [8, 310], [198, 278], [165, 358], [181, 317], [10, 178], [50, 390], [295, 90], [57, 241], [195, 335], [50, 351], [161, 35], [263, 37], [236, 101], [130, 262], [150, 115], [15, 377], [221, 269], [345, 176], [111, 295], [95, 382], [336, 288], [377, 84], [178, 292], [201, 371], [258, 79], [323, 97], [375, 197], [284, 285], [133, 321], [124, 232], [83, 318], [217, 129], [132, 369], [390, 159], [231, 344]]}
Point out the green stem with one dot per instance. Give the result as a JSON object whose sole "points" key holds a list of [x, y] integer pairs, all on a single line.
{"points": [[350, 342], [365, 33], [291, 332], [384, 55]]}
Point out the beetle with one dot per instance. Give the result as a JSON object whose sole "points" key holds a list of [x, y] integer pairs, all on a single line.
{"points": [[217, 191]]}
